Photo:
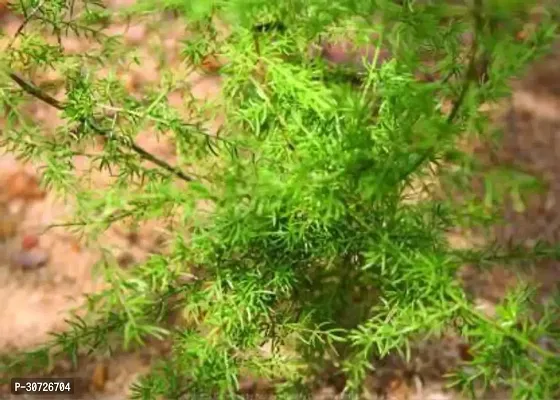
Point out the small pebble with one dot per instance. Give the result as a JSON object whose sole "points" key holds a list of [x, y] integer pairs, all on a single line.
{"points": [[29, 242], [135, 34], [30, 259]]}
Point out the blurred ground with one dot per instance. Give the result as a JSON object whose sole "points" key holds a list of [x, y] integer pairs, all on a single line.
{"points": [[44, 274]]}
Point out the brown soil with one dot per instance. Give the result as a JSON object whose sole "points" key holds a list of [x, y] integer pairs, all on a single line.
{"points": [[34, 296], [37, 291]]}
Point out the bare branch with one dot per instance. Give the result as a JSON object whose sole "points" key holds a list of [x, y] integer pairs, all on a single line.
{"points": [[28, 18]]}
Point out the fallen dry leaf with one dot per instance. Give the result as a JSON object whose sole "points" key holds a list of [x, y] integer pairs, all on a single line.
{"points": [[465, 352], [3, 7], [21, 185], [100, 376], [398, 390], [210, 64], [8, 226]]}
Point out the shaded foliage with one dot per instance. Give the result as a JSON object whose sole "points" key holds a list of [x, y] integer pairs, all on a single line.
{"points": [[316, 247]]}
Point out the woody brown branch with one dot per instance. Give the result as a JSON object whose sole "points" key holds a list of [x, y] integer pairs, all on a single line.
{"points": [[144, 154]]}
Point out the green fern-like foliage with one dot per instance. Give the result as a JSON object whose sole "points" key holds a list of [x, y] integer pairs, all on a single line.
{"points": [[295, 224]]}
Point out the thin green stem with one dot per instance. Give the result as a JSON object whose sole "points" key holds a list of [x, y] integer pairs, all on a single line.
{"points": [[512, 334]]}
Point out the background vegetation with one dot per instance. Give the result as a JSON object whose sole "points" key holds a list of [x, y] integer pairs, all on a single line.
{"points": [[310, 230]]}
